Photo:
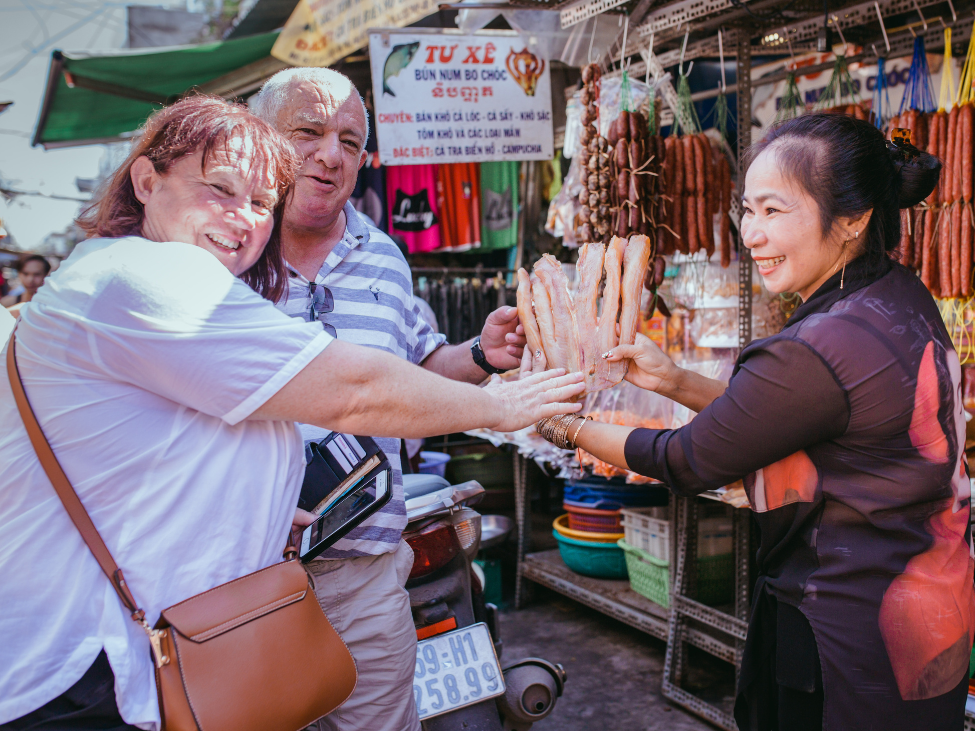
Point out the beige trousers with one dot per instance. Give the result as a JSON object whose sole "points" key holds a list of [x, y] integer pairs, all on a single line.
{"points": [[365, 600]]}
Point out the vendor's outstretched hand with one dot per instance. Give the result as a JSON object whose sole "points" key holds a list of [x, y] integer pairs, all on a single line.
{"points": [[532, 363], [503, 338], [534, 397], [650, 368]]}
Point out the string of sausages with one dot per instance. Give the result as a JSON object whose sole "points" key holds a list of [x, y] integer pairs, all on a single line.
{"points": [[621, 170], [695, 185], [937, 235]]}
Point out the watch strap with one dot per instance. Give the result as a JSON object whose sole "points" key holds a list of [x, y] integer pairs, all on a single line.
{"points": [[477, 353]]}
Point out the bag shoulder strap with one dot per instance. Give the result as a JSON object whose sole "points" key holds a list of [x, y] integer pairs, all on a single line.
{"points": [[62, 485]]}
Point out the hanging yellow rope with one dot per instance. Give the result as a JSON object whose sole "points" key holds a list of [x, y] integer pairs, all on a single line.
{"points": [[959, 317], [967, 78], [946, 99]]}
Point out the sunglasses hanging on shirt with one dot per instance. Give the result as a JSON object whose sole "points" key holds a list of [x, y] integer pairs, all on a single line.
{"points": [[322, 302]]}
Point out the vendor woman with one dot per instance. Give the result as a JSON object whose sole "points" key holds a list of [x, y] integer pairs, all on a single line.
{"points": [[849, 432]]}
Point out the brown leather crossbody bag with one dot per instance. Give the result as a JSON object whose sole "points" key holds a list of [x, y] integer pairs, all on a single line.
{"points": [[254, 654]]}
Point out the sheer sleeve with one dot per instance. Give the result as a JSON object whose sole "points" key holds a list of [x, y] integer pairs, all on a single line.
{"points": [[782, 398]]}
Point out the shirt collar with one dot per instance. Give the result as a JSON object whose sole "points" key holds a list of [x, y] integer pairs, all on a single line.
{"points": [[356, 232], [859, 273]]}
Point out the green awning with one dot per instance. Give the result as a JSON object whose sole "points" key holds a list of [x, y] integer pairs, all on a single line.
{"points": [[93, 98]]}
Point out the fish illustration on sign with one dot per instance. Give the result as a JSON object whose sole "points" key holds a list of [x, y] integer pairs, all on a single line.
{"points": [[525, 68], [397, 60]]}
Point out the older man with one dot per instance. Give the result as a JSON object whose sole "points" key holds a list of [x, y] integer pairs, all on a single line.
{"points": [[352, 277]]}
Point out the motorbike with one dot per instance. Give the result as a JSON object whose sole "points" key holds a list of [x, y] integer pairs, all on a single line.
{"points": [[459, 681]]}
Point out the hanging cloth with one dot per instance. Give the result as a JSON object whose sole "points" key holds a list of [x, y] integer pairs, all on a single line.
{"points": [[459, 199], [499, 188], [413, 211]]}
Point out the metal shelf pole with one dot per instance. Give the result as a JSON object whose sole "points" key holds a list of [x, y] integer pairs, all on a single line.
{"points": [[522, 526]]}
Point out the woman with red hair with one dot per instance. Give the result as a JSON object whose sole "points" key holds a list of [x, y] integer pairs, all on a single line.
{"points": [[168, 388]]}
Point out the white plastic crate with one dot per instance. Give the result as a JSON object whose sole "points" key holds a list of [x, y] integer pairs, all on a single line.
{"points": [[649, 530]]}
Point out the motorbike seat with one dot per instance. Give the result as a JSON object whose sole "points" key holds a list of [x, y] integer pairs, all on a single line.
{"points": [[415, 486]]}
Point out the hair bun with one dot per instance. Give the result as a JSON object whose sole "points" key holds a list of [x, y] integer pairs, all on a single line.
{"points": [[917, 173]]}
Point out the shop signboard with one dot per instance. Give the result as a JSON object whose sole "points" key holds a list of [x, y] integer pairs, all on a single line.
{"points": [[446, 97], [320, 32]]}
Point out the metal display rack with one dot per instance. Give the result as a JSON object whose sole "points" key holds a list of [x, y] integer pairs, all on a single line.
{"points": [[687, 29], [686, 623]]}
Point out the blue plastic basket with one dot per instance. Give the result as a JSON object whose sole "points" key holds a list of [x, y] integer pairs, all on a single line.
{"points": [[599, 560], [613, 494]]}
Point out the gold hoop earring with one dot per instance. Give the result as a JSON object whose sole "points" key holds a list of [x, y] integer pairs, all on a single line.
{"points": [[843, 273]]}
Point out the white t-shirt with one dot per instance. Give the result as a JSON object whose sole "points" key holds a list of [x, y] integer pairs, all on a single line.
{"points": [[142, 361]]}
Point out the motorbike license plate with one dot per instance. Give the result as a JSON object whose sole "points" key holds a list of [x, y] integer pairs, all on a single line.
{"points": [[454, 670]]}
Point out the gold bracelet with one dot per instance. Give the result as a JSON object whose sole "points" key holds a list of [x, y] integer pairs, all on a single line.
{"points": [[584, 420]]}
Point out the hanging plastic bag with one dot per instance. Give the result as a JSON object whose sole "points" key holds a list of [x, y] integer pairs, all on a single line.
{"points": [[625, 405]]}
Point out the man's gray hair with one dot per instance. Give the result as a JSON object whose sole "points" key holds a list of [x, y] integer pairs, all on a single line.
{"points": [[276, 92]]}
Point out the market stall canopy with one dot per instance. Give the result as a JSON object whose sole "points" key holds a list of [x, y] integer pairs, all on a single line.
{"points": [[95, 98], [264, 15]]}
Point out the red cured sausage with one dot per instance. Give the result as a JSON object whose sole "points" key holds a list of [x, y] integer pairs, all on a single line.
{"points": [[955, 249], [621, 154], [690, 218], [966, 251], [944, 253], [705, 226], [636, 154], [679, 168], [917, 234], [928, 260], [904, 246], [699, 180], [687, 142], [920, 140], [967, 118]]}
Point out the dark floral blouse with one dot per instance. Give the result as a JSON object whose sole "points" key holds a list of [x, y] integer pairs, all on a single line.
{"points": [[848, 429]]}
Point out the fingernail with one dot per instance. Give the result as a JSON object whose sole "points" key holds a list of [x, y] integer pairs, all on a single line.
{"points": [[538, 353], [607, 354]]}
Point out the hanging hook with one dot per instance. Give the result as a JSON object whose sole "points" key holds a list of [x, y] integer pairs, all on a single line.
{"points": [[648, 57], [924, 20], [683, 48], [626, 27], [954, 15], [724, 86], [592, 37], [792, 54], [836, 24], [883, 28]]}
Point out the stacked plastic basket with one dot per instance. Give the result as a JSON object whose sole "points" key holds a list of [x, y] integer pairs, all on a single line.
{"points": [[589, 533], [646, 544]]}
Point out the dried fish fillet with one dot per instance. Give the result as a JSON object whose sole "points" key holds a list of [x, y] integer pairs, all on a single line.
{"points": [[546, 324], [609, 374], [635, 262], [565, 330], [590, 271], [526, 314]]}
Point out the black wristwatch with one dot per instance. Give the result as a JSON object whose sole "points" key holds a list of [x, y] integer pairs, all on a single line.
{"points": [[478, 355]]}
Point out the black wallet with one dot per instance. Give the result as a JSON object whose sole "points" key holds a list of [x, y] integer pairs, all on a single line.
{"points": [[334, 459]]}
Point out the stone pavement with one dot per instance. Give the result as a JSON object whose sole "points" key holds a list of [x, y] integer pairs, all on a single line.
{"points": [[613, 670]]}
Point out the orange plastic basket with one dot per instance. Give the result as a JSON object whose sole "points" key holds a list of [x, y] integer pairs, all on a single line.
{"points": [[593, 520]]}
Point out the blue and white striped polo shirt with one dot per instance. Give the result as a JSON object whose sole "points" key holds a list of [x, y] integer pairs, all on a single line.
{"points": [[372, 286]]}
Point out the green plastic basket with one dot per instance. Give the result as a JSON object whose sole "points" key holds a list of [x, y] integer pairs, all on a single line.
{"points": [[650, 576], [599, 560]]}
